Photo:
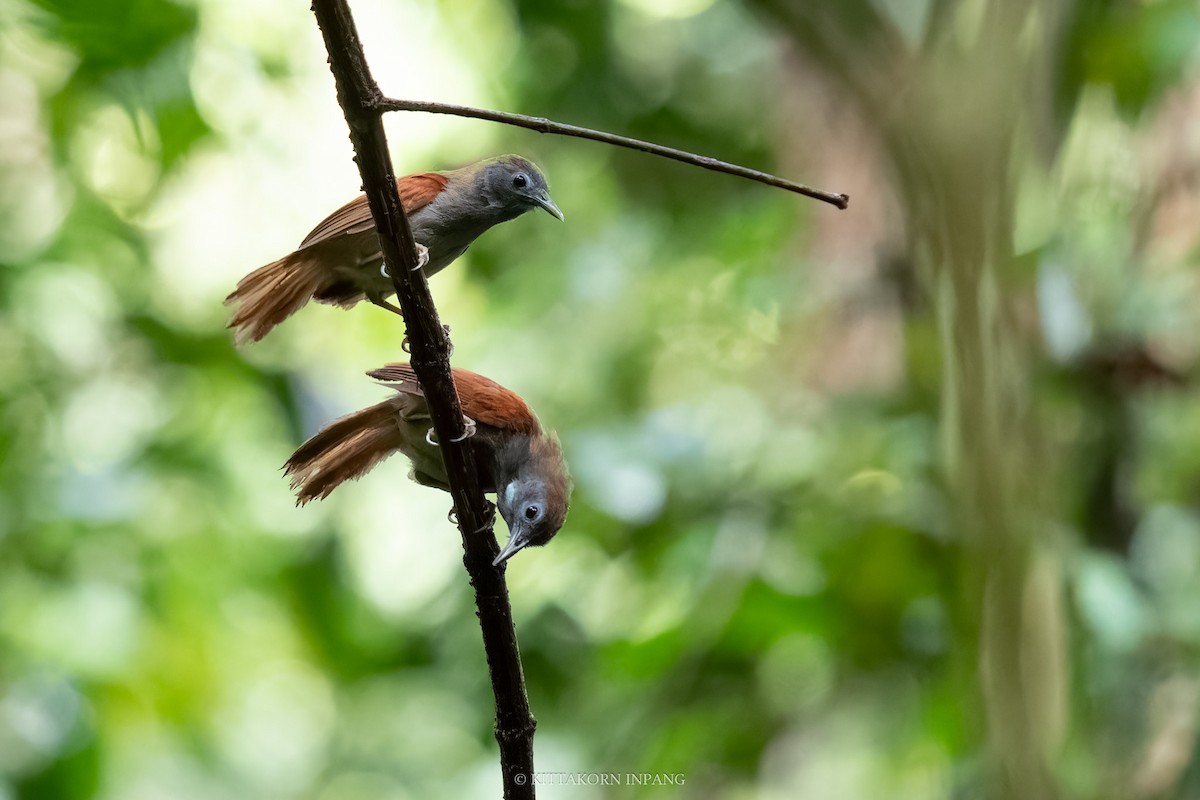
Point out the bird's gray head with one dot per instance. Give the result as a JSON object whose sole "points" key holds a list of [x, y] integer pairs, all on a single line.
{"points": [[516, 185], [532, 492]]}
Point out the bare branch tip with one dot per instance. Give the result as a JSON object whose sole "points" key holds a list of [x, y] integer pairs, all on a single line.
{"points": [[545, 125]]}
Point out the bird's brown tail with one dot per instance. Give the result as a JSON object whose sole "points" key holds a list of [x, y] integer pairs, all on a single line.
{"points": [[344, 450], [272, 293]]}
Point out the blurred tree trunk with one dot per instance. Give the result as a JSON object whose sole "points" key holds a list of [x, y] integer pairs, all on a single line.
{"points": [[951, 114]]}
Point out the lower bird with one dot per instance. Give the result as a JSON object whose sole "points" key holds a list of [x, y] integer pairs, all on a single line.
{"points": [[517, 459], [340, 261]]}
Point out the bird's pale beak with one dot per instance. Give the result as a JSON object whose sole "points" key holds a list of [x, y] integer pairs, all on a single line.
{"points": [[516, 542], [545, 202]]}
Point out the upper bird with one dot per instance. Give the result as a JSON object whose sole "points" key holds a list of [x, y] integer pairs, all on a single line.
{"points": [[340, 261], [516, 458]]}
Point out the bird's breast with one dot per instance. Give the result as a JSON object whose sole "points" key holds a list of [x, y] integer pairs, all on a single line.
{"points": [[446, 235]]}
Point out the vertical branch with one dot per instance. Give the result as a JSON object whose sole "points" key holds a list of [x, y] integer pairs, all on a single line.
{"points": [[358, 95]]}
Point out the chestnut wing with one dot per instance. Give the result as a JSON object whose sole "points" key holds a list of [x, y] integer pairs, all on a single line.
{"points": [[483, 400], [416, 192]]}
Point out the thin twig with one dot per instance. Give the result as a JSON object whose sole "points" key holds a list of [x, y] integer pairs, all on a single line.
{"points": [[358, 95], [542, 125]]}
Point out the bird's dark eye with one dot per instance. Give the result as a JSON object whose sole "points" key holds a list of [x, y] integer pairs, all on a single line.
{"points": [[520, 181], [531, 512]]}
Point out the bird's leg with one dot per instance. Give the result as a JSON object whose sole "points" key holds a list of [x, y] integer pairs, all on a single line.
{"points": [[379, 301], [427, 480], [375, 295]]}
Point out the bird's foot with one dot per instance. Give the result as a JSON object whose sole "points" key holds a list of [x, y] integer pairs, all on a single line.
{"points": [[468, 424], [469, 429], [406, 345], [422, 257], [489, 517]]}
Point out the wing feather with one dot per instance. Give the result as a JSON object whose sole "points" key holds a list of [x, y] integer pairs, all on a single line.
{"points": [[416, 192], [483, 400]]}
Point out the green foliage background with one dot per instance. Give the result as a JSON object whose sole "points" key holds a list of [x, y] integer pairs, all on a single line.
{"points": [[894, 502]]}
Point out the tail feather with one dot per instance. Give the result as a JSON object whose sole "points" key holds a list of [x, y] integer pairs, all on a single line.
{"points": [[344, 450], [396, 373], [272, 293]]}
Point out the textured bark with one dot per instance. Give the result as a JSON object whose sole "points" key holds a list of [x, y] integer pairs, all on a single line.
{"points": [[429, 345]]}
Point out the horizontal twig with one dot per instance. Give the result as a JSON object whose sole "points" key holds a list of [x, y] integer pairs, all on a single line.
{"points": [[542, 125]]}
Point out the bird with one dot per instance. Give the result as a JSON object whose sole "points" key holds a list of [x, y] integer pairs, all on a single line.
{"points": [[518, 460], [340, 261]]}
